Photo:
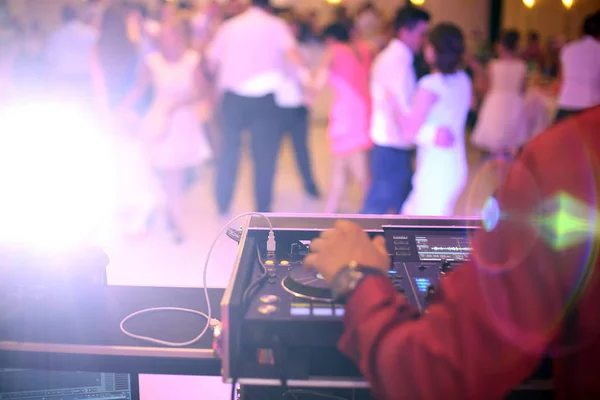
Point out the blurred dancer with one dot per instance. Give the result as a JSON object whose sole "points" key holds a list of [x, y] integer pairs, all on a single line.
{"points": [[248, 56], [437, 123], [92, 11], [115, 59], [8, 54], [346, 67], [69, 53], [501, 126], [168, 13], [342, 16], [30, 64], [294, 117], [175, 139], [138, 29], [393, 73], [114, 66], [204, 27], [580, 71], [369, 26], [205, 24], [533, 54]]}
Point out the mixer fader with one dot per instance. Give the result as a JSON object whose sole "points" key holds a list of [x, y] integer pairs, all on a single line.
{"points": [[421, 257]]}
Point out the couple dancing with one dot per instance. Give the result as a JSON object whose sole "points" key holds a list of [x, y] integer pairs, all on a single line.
{"points": [[430, 113]]}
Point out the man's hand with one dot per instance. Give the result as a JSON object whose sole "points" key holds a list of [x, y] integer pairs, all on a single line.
{"points": [[335, 249], [444, 137]]}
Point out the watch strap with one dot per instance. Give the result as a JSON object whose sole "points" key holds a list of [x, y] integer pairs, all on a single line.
{"points": [[348, 279]]}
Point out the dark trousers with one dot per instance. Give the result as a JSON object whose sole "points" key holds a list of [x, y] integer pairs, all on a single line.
{"points": [[391, 174], [294, 121], [259, 115]]}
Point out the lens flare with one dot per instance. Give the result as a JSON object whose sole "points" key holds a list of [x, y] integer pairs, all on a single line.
{"points": [[565, 221], [548, 239], [562, 221], [490, 214]]}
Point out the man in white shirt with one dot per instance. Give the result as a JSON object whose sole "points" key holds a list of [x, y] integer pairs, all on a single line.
{"points": [[580, 71], [249, 53], [393, 74]]}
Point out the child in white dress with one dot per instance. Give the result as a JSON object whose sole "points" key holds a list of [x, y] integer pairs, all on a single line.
{"points": [[437, 124], [501, 127], [175, 140]]}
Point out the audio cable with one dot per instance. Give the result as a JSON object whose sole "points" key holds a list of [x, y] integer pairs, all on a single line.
{"points": [[255, 285], [210, 321]]}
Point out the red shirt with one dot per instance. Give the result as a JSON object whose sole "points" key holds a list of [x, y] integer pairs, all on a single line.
{"points": [[498, 315]]}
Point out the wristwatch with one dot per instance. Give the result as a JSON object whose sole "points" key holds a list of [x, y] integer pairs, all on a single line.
{"points": [[348, 278]]}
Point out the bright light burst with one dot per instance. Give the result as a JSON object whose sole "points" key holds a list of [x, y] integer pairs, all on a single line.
{"points": [[55, 175]]}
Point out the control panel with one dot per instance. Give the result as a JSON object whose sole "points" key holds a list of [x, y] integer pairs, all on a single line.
{"points": [[286, 317], [423, 256]]}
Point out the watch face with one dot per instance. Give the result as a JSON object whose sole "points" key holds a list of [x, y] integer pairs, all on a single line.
{"points": [[356, 275], [348, 281]]}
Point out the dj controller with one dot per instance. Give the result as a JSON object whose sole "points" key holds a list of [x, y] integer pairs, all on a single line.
{"points": [[296, 304], [280, 319], [280, 325]]}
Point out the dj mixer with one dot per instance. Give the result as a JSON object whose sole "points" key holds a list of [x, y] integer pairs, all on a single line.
{"points": [[280, 321]]}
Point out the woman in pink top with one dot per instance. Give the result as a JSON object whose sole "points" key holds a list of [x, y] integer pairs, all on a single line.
{"points": [[346, 69]]}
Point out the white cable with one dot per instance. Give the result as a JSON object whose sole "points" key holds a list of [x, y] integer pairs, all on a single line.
{"points": [[209, 320]]}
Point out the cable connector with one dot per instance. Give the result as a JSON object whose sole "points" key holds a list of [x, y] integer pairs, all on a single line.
{"points": [[214, 323], [271, 244], [235, 234]]}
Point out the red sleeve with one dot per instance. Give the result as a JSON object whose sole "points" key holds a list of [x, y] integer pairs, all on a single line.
{"points": [[488, 329]]}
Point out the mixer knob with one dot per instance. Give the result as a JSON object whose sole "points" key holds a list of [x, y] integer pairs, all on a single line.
{"points": [[267, 309], [268, 299]]}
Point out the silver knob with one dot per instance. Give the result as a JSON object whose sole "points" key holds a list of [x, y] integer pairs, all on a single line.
{"points": [[267, 309]]}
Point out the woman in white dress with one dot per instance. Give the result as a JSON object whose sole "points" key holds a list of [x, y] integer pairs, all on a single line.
{"points": [[173, 134], [437, 124], [501, 127]]}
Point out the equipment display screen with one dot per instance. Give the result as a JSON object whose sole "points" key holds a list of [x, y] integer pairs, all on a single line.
{"points": [[453, 247], [65, 385]]}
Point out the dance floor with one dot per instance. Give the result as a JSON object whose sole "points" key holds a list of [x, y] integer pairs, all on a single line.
{"points": [[153, 260]]}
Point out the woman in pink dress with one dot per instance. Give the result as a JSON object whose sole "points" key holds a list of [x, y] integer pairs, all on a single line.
{"points": [[346, 69]]}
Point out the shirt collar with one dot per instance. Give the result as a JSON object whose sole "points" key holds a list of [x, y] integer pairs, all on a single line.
{"points": [[400, 47]]}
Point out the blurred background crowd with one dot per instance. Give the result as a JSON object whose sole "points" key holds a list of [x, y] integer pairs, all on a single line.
{"points": [[158, 77]]}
